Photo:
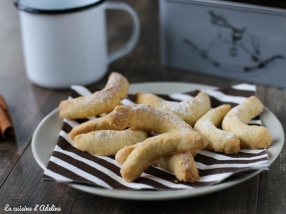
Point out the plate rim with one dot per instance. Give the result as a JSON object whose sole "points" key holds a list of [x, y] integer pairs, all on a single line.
{"points": [[151, 194]]}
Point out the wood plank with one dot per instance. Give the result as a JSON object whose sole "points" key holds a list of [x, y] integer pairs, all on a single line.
{"points": [[225, 201], [270, 200], [25, 187]]}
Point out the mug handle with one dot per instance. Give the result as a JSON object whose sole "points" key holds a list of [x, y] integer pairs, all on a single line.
{"points": [[126, 48]]}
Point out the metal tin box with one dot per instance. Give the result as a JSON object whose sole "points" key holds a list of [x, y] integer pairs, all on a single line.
{"points": [[234, 40]]}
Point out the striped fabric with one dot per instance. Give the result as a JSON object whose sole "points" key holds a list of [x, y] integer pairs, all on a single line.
{"points": [[68, 164]]}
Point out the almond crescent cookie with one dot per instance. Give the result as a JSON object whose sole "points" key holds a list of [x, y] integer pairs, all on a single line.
{"points": [[123, 153], [217, 140], [182, 165], [189, 110], [108, 142], [148, 151], [145, 117], [236, 121], [99, 102], [99, 123]]}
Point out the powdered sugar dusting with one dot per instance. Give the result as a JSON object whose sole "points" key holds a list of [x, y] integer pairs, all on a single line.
{"points": [[162, 115]]}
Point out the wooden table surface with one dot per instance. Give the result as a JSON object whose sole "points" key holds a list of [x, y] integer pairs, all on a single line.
{"points": [[21, 177]]}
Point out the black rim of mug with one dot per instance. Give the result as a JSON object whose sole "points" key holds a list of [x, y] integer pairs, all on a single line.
{"points": [[25, 8]]}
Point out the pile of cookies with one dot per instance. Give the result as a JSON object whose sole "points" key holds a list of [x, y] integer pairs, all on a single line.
{"points": [[154, 131]]}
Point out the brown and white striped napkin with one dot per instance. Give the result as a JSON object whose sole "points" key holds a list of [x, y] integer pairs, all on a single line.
{"points": [[68, 164]]}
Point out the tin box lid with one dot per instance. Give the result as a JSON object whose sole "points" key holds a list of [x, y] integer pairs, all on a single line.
{"points": [[55, 6], [277, 5]]}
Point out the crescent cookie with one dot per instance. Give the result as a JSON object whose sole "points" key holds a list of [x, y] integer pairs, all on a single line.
{"points": [[217, 140], [182, 165], [236, 121], [108, 142], [189, 110], [145, 117], [99, 123], [148, 151], [123, 153], [99, 102]]}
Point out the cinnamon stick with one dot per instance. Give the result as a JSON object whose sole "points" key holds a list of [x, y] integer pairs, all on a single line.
{"points": [[6, 126]]}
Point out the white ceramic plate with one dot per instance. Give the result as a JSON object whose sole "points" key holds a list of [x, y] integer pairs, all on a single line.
{"points": [[46, 135]]}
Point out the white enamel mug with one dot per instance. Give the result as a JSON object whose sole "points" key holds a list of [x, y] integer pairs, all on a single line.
{"points": [[65, 42]]}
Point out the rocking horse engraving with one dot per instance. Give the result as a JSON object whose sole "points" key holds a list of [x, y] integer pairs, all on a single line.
{"points": [[233, 43]]}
